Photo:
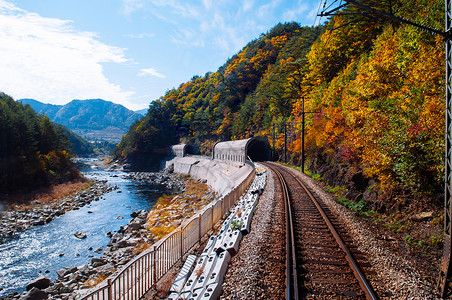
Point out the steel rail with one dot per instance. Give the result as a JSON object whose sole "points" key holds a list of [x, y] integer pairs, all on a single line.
{"points": [[291, 259], [359, 275]]}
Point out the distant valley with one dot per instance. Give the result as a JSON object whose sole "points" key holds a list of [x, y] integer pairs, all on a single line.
{"points": [[93, 119]]}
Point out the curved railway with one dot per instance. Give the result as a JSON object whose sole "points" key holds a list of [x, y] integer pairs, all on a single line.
{"points": [[321, 259]]}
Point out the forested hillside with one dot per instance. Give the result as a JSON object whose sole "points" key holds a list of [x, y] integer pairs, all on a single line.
{"points": [[374, 90], [206, 109], [34, 152]]}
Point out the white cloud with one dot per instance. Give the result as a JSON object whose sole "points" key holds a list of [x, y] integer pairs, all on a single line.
{"points": [[141, 35], [151, 72], [129, 6], [207, 4], [247, 5], [296, 13], [47, 59], [265, 11]]}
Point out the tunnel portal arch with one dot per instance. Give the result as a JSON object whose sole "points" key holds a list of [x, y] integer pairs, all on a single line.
{"points": [[255, 148], [182, 150]]}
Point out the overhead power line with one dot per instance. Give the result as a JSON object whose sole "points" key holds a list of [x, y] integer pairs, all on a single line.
{"points": [[388, 15]]}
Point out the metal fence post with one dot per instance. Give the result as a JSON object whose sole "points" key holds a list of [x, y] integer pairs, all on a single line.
{"points": [[110, 296], [211, 217], [181, 243], [199, 228]]}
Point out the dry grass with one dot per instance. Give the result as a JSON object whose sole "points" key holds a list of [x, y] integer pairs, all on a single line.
{"points": [[93, 282], [198, 272], [140, 248], [28, 201], [169, 211]]}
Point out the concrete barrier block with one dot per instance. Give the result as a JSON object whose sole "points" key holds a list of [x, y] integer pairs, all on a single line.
{"points": [[191, 281], [174, 296], [232, 242], [183, 275], [197, 293], [204, 275], [225, 224], [209, 246], [218, 247], [212, 292], [221, 245], [184, 295], [246, 227], [220, 268]]}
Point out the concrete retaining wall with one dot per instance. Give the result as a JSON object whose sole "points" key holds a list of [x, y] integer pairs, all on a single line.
{"points": [[221, 176]]}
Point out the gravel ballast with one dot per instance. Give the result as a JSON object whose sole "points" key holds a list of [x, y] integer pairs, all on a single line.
{"points": [[258, 270], [399, 275]]}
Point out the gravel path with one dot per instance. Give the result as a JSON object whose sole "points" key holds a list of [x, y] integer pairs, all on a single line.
{"points": [[257, 271]]}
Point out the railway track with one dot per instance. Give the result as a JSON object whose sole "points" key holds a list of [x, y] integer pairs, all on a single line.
{"points": [[321, 259]]}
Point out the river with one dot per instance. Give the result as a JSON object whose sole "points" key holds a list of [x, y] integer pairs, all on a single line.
{"points": [[42, 250]]}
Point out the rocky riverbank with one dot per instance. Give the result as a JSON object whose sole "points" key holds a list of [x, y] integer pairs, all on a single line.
{"points": [[74, 281], [15, 221], [165, 180], [130, 239]]}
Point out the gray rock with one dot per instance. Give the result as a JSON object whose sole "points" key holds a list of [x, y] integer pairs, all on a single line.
{"points": [[35, 294], [39, 283], [74, 278], [61, 288], [66, 271], [423, 216], [135, 213], [80, 234], [135, 225], [134, 241], [106, 269], [84, 270], [123, 243], [97, 262], [39, 221]]}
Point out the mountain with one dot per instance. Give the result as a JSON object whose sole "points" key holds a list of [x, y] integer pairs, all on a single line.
{"points": [[142, 111], [94, 119], [48, 109]]}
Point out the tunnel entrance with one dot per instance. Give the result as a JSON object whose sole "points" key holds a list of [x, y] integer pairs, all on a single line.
{"points": [[190, 149], [258, 149], [183, 149]]}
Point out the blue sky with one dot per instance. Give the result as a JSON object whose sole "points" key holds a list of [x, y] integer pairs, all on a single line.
{"points": [[127, 51]]}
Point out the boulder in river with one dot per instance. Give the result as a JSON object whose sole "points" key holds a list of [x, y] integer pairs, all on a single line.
{"points": [[80, 234], [35, 294], [41, 283]]}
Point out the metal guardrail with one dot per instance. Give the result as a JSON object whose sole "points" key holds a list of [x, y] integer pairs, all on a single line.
{"points": [[140, 274]]}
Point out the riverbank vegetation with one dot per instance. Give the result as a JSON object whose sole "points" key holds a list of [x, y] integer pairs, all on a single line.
{"points": [[28, 201], [374, 91], [34, 152], [170, 211]]}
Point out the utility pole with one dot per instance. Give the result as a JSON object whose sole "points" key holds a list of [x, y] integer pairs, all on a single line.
{"points": [[302, 135], [445, 268], [285, 142], [273, 136]]}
